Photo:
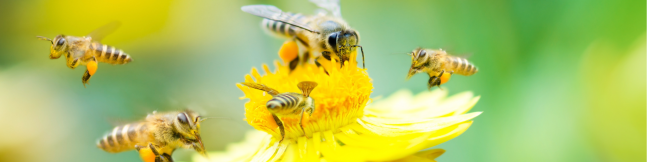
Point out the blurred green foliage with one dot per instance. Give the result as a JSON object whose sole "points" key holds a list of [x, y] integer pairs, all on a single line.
{"points": [[560, 80]]}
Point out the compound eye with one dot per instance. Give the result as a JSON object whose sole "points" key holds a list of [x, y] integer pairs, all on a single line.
{"points": [[59, 43], [182, 117], [422, 53], [332, 40]]}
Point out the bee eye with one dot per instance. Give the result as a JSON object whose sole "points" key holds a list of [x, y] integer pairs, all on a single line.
{"points": [[182, 117], [422, 53], [332, 40], [59, 43]]}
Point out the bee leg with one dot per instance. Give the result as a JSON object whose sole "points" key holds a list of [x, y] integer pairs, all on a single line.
{"points": [[319, 64], [440, 74], [158, 157], [73, 64], [138, 147], [281, 126], [293, 64], [148, 153], [85, 78], [301, 116], [91, 69], [306, 57], [311, 109], [434, 81], [166, 158]]}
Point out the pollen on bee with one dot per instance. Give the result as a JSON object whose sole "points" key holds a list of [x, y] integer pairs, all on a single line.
{"points": [[147, 154], [288, 51], [445, 77], [92, 67]]}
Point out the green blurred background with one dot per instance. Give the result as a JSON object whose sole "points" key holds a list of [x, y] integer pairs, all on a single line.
{"points": [[559, 80]]}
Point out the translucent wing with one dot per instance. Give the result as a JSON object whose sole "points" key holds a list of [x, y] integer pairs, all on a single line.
{"points": [[274, 13], [261, 87], [306, 87], [101, 32], [332, 6]]}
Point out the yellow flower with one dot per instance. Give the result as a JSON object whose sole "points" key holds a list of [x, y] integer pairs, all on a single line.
{"points": [[343, 127]]}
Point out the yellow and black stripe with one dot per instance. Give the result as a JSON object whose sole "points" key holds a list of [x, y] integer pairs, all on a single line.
{"points": [[109, 54], [283, 29], [460, 66], [124, 138], [283, 102]]}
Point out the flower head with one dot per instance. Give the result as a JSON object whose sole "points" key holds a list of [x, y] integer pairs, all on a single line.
{"points": [[340, 97], [343, 127]]}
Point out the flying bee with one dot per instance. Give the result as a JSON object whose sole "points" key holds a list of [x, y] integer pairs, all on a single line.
{"points": [[288, 103], [159, 133], [439, 65], [87, 50], [322, 36]]}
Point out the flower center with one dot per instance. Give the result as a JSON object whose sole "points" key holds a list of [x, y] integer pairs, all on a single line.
{"points": [[340, 98]]}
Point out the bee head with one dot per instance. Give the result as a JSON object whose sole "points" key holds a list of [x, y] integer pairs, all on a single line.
{"points": [[419, 59], [344, 42], [187, 123], [58, 45]]}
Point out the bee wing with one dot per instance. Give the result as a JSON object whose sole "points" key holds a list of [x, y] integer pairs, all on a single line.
{"points": [[101, 32], [306, 87], [274, 13], [261, 87], [332, 6]]}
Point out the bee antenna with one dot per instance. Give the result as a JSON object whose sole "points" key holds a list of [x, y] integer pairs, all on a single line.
{"points": [[44, 38], [205, 118]]}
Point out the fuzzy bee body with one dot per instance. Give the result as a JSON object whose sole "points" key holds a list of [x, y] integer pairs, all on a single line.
{"points": [[161, 132], [459, 66], [288, 103], [87, 50], [109, 54], [125, 137], [81, 50], [323, 37], [438, 62]]}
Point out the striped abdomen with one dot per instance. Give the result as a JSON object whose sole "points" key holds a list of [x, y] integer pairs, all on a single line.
{"points": [[109, 54], [285, 103], [125, 137], [460, 66], [283, 29]]}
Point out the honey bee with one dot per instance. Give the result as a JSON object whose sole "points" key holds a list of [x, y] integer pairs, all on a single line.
{"points": [[288, 103], [159, 133], [439, 65], [87, 50], [322, 36]]}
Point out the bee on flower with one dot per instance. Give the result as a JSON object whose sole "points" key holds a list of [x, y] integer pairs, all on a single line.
{"points": [[343, 127], [289, 103], [325, 37]]}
